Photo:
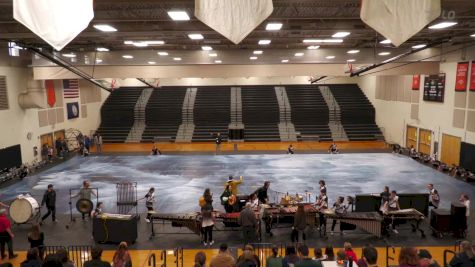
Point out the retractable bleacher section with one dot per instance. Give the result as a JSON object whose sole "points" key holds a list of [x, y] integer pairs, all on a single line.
{"points": [[163, 114], [211, 113], [117, 114], [357, 112], [260, 113], [309, 111]]}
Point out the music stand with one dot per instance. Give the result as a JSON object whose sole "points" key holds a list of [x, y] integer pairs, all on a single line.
{"points": [[72, 219]]}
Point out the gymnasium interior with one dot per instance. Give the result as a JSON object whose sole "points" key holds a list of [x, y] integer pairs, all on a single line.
{"points": [[255, 101]]}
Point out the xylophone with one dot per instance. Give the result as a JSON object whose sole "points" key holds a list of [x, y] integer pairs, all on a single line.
{"points": [[370, 222]]}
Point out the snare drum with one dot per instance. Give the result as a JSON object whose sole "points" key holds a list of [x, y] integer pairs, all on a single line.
{"points": [[23, 209]]}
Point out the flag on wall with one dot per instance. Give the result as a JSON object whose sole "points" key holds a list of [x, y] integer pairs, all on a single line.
{"points": [[73, 110], [416, 82], [71, 88], [50, 94], [472, 77], [461, 76]]}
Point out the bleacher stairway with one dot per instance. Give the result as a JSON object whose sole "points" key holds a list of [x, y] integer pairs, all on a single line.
{"points": [[334, 116]]}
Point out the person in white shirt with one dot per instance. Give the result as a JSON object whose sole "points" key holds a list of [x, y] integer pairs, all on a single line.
{"points": [[254, 201], [434, 196], [392, 205], [465, 200]]}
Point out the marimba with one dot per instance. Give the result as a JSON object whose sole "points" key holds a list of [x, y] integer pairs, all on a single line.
{"points": [[370, 222]]}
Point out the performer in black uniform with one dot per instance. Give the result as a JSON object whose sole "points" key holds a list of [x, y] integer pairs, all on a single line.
{"points": [[49, 198], [262, 193], [225, 199]]}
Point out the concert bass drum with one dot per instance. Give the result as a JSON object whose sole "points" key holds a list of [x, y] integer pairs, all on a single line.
{"points": [[23, 209], [84, 206]]}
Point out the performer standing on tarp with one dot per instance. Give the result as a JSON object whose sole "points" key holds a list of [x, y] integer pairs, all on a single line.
{"points": [[85, 192], [149, 199], [49, 198]]}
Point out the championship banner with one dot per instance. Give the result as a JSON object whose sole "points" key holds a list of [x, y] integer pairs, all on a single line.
{"points": [[461, 77], [416, 82], [472, 77], [73, 110], [50, 93]]}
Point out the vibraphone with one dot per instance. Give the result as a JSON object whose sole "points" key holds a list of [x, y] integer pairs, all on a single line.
{"points": [[370, 222], [405, 216]]}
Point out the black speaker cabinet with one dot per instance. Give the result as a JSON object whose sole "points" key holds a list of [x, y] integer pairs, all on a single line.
{"points": [[440, 220], [367, 203], [458, 220], [114, 230]]}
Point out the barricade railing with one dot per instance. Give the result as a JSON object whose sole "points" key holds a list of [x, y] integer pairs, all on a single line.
{"points": [[79, 254], [47, 250], [446, 253], [392, 257]]}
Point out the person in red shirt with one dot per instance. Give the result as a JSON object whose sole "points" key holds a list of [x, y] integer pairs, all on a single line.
{"points": [[6, 235], [349, 252]]}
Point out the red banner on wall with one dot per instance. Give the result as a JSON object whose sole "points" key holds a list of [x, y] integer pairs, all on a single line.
{"points": [[416, 82], [472, 77], [461, 76], [51, 96]]}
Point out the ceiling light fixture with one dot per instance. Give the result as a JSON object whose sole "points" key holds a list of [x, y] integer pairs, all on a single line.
{"points": [[213, 55], [102, 49], [384, 53], [98, 60], [252, 58], [473, 35], [310, 41], [330, 57], [340, 34], [387, 41], [207, 48], [161, 53], [313, 47], [299, 54], [218, 61], [258, 52], [128, 56], [264, 42], [128, 42], [353, 51], [177, 58], [351, 60], [284, 61], [443, 25], [178, 15], [105, 28], [195, 36], [273, 26], [419, 46], [140, 44], [70, 55], [152, 62]]}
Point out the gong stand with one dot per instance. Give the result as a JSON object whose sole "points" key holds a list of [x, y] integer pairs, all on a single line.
{"points": [[126, 197], [71, 190]]}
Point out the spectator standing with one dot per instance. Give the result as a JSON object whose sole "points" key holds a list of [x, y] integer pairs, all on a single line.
{"points": [[207, 218], [98, 142], [6, 236], [87, 142], [223, 259], [59, 148], [218, 141], [49, 198], [36, 238], [50, 153], [96, 254], [300, 224], [121, 257], [248, 222]]}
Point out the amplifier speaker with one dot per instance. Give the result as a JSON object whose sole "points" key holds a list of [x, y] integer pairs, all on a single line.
{"points": [[458, 219], [440, 220]]}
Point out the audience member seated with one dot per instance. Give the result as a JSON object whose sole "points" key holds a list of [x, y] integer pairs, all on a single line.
{"points": [[305, 260], [341, 258], [466, 256], [290, 257], [36, 239], [63, 256], [121, 256], [200, 259], [32, 258], [248, 258], [349, 252], [329, 253], [408, 257], [425, 259], [96, 254], [223, 259], [369, 257], [318, 254], [274, 260]]}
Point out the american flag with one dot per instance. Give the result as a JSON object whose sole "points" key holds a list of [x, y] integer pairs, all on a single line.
{"points": [[71, 88]]}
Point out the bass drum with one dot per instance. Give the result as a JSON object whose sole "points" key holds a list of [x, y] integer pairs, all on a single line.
{"points": [[23, 209]]}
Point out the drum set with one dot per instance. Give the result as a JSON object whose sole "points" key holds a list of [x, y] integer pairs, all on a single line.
{"points": [[289, 199]]}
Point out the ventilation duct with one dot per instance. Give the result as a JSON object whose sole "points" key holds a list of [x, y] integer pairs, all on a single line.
{"points": [[34, 97]]}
